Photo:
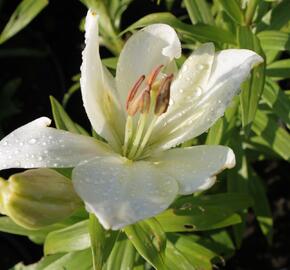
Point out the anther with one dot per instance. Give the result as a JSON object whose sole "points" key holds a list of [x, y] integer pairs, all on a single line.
{"points": [[163, 96], [145, 102], [153, 75], [134, 90]]}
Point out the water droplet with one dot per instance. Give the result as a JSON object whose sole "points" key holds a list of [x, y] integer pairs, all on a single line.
{"points": [[5, 143], [40, 158], [45, 151], [184, 68], [181, 91], [198, 91], [200, 67], [21, 144], [32, 141], [44, 143], [219, 101]]}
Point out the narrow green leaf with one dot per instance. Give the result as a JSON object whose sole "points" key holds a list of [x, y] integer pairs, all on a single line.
{"points": [[149, 240], [271, 135], [277, 100], [41, 265], [23, 15], [62, 119], [198, 255], [71, 238], [78, 260], [199, 11], [279, 70], [253, 88], [274, 40], [278, 16], [233, 10], [122, 256], [38, 236], [237, 180], [197, 32], [261, 206], [111, 62], [176, 260]]}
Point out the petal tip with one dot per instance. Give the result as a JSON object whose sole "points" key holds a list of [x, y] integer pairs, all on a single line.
{"points": [[231, 159]]}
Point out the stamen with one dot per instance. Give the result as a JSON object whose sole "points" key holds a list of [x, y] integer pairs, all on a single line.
{"points": [[145, 102], [153, 75], [134, 90], [163, 96]]}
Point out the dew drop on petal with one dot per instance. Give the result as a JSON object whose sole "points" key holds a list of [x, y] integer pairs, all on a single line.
{"points": [[32, 141], [198, 91]]}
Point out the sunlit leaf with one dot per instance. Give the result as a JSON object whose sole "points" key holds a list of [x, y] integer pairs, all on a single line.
{"points": [[23, 15]]}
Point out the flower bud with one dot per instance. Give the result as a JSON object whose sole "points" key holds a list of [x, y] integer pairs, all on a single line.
{"points": [[37, 198]]}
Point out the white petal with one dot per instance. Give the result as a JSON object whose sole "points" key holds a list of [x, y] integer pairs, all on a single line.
{"points": [[36, 145], [195, 167], [120, 192], [193, 75], [98, 89], [148, 48], [195, 116]]}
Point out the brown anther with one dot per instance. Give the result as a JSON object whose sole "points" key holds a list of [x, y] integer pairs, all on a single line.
{"points": [[153, 75], [134, 90], [163, 96], [145, 102]]}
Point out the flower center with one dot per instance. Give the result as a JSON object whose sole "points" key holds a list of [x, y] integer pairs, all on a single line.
{"points": [[146, 101]]}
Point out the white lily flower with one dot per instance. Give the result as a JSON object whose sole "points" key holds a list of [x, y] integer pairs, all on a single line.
{"points": [[148, 109]]}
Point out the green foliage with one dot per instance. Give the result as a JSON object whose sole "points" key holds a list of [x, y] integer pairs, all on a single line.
{"points": [[255, 126], [23, 15]]}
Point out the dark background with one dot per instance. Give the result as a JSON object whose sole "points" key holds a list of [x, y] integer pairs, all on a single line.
{"points": [[57, 43]]}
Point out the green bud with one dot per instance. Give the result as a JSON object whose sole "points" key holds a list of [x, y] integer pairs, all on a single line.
{"points": [[38, 198]]}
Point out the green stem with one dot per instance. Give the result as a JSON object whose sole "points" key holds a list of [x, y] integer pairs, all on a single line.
{"points": [[250, 12]]}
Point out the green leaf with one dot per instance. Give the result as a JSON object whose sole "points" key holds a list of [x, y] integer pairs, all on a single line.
{"points": [[271, 135], [176, 260], [41, 265], [122, 256], [233, 10], [277, 100], [204, 212], [78, 260], [253, 88], [149, 240], [111, 62], [274, 40], [71, 238], [238, 180], [23, 15], [279, 70], [38, 236], [199, 11], [197, 32], [261, 206], [278, 16], [102, 242], [62, 119], [199, 256]]}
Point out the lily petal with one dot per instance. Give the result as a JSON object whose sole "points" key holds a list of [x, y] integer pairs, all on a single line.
{"points": [[154, 45], [193, 116], [37, 145], [195, 167], [99, 94], [120, 192]]}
